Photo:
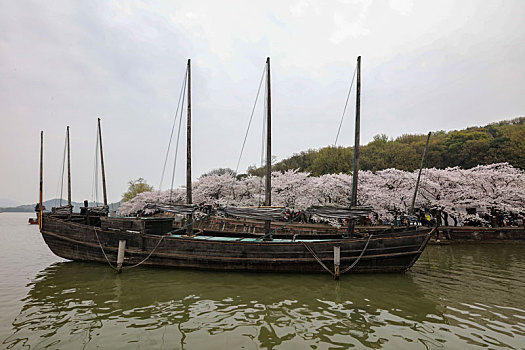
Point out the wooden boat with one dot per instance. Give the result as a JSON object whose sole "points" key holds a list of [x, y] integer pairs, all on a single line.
{"points": [[392, 252], [92, 236]]}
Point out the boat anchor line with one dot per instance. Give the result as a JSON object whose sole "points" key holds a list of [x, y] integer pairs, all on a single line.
{"points": [[359, 258], [126, 267], [334, 275], [317, 258], [422, 246]]}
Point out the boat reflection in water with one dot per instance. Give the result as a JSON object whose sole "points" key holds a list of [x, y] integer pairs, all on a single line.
{"points": [[440, 305], [71, 303]]}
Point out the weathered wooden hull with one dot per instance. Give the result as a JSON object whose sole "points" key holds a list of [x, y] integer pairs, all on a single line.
{"points": [[392, 252]]}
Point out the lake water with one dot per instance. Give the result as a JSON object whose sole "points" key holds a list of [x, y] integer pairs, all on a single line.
{"points": [[455, 297]]}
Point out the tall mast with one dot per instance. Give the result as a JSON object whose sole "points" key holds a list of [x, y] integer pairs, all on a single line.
{"points": [[40, 209], [68, 170], [268, 191], [188, 141], [189, 218], [102, 165], [357, 132], [419, 176]]}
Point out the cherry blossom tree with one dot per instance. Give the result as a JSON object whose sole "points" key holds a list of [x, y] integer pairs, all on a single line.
{"points": [[389, 192]]}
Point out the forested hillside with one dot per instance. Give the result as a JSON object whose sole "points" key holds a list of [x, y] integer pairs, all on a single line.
{"points": [[493, 143]]}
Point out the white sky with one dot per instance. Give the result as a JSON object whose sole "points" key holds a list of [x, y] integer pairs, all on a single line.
{"points": [[426, 65]]}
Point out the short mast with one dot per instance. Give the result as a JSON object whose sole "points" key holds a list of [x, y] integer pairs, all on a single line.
{"points": [[188, 140], [357, 134], [268, 192], [68, 170], [102, 165], [419, 176], [40, 208]]}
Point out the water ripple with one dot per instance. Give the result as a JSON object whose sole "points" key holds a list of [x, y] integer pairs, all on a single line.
{"points": [[454, 297]]}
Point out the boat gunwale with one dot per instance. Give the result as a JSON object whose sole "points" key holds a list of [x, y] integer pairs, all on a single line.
{"points": [[210, 257], [383, 236]]}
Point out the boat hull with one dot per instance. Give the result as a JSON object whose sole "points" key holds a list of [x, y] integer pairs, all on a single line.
{"points": [[392, 252]]}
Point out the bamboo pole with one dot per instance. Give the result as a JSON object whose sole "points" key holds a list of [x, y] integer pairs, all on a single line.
{"points": [[102, 165], [419, 176]]}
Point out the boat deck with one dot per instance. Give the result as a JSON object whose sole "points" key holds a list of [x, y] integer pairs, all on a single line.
{"points": [[252, 239]]}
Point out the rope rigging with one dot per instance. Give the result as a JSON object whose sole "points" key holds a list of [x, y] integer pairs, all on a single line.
{"points": [[247, 131], [346, 104], [94, 189], [60, 184], [263, 145], [179, 105], [333, 158], [177, 143]]}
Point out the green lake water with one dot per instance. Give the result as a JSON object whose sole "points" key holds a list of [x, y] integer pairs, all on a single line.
{"points": [[455, 297]]}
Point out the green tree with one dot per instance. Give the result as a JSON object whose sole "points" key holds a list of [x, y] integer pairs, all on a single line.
{"points": [[494, 143], [332, 160], [135, 187]]}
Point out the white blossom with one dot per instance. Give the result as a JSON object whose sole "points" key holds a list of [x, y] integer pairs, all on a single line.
{"points": [[498, 187]]}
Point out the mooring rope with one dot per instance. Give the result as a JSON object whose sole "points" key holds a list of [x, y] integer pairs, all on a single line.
{"points": [[420, 249], [101, 248], [326, 267], [126, 267], [359, 258], [317, 258], [146, 258]]}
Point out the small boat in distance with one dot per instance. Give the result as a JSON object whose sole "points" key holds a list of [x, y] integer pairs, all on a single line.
{"points": [[93, 236]]}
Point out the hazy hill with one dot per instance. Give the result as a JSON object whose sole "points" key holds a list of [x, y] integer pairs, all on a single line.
{"points": [[6, 202], [54, 203]]}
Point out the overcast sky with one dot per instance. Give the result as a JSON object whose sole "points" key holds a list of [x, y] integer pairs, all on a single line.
{"points": [[426, 65]]}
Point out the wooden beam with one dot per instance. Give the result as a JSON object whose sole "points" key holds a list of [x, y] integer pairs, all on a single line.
{"points": [[102, 165], [68, 170], [41, 210]]}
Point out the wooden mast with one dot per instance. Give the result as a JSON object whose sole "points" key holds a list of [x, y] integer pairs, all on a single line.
{"points": [[102, 165], [68, 170], [268, 192], [268, 189], [188, 151], [419, 176], [357, 134], [40, 208], [353, 201], [188, 140]]}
